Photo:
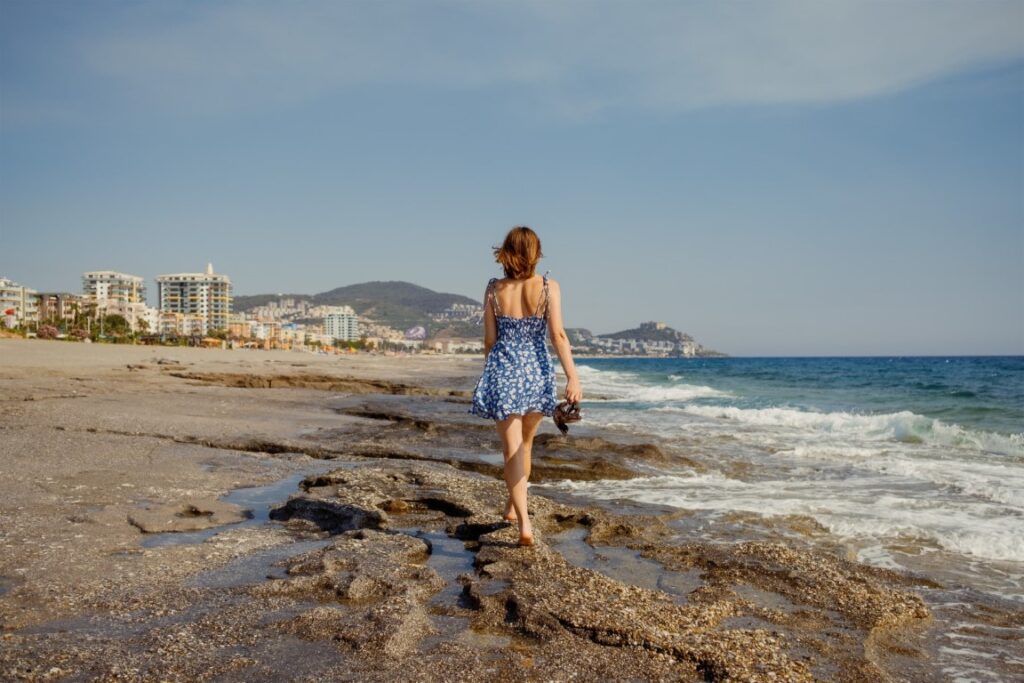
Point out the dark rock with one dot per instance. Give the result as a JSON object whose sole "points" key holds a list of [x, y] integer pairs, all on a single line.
{"points": [[331, 516]]}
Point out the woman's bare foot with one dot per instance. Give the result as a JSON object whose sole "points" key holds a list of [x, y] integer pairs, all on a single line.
{"points": [[526, 535], [510, 512]]}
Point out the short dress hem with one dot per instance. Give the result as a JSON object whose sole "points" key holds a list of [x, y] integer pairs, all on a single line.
{"points": [[502, 415]]}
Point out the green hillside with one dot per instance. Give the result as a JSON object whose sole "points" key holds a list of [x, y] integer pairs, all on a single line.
{"points": [[398, 304], [392, 293], [647, 332]]}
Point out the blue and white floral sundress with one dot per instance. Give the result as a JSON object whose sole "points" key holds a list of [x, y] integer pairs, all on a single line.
{"points": [[518, 376]]}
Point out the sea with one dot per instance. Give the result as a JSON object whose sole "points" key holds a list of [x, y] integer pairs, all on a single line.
{"points": [[910, 463], [914, 463]]}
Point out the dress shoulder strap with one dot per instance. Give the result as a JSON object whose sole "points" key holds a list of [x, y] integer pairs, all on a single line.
{"points": [[491, 287], [543, 303]]}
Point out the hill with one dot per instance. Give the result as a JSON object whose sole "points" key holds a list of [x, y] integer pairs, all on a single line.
{"points": [[392, 293], [395, 303], [649, 332], [652, 337], [246, 302]]}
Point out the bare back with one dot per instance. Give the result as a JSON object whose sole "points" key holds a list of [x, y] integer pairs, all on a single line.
{"points": [[520, 298]]}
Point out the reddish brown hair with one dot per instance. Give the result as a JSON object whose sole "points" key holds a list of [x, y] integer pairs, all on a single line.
{"points": [[519, 253]]}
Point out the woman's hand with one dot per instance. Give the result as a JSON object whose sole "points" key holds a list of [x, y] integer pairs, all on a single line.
{"points": [[573, 392]]}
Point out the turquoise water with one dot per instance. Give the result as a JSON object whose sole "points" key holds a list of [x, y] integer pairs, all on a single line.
{"points": [[984, 393], [913, 462]]}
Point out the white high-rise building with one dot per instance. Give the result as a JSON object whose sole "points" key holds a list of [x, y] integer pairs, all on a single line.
{"points": [[104, 287], [21, 300], [342, 324], [206, 295]]}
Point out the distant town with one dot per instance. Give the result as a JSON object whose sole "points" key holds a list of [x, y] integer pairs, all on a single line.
{"points": [[199, 309]]}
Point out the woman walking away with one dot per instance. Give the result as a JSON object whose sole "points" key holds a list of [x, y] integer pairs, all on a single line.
{"points": [[517, 387]]}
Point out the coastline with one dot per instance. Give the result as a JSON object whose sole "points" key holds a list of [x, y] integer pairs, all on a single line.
{"points": [[390, 543]]}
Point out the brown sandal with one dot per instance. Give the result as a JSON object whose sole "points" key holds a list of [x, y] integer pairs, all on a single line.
{"points": [[566, 412]]}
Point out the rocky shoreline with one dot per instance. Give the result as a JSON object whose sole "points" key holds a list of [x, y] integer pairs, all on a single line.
{"points": [[389, 558]]}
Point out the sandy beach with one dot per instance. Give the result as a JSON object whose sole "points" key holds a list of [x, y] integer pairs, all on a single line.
{"points": [[187, 515]]}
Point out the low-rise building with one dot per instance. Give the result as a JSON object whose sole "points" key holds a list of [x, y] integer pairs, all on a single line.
{"points": [[140, 317], [383, 332], [175, 324], [62, 307], [469, 313]]}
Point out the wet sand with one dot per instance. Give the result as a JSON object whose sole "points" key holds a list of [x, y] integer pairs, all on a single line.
{"points": [[191, 514]]}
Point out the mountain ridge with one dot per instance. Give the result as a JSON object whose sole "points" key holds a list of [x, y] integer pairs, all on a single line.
{"points": [[649, 332], [396, 303]]}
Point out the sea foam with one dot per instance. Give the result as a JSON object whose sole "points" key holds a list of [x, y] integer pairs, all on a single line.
{"points": [[973, 528], [622, 386], [903, 426]]}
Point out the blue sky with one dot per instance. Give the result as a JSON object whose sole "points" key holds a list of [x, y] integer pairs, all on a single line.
{"points": [[776, 178]]}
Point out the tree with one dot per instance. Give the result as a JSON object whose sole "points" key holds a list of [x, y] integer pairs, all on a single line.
{"points": [[113, 325]]}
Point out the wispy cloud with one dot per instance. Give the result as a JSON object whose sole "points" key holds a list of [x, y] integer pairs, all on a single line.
{"points": [[572, 57]]}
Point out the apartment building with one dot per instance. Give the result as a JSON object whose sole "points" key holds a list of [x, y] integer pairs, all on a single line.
{"points": [[106, 287], [204, 295], [341, 324], [17, 304]]}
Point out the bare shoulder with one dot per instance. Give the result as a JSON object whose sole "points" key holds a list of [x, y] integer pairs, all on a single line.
{"points": [[553, 284]]}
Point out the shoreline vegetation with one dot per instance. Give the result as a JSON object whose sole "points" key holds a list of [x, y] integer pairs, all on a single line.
{"points": [[189, 514]]}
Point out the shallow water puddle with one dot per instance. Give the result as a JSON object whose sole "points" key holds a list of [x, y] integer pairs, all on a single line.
{"points": [[449, 558], [625, 565], [256, 499], [772, 601], [450, 612], [261, 565], [285, 657], [9, 582]]}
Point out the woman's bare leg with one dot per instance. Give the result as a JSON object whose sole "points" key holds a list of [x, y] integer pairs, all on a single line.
{"points": [[511, 432], [531, 422]]}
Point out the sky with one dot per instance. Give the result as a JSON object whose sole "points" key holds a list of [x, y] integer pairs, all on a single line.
{"points": [[774, 178]]}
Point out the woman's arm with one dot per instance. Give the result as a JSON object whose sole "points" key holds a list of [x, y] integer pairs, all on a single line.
{"points": [[561, 342], [490, 324]]}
